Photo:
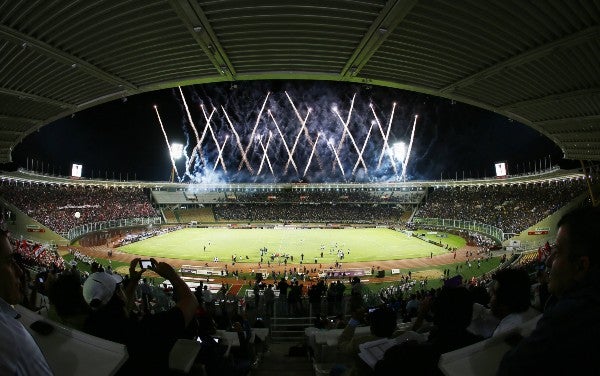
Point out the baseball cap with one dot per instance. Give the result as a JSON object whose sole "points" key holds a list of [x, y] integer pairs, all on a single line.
{"points": [[100, 286]]}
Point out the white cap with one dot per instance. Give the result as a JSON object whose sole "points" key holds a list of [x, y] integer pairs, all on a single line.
{"points": [[100, 286]]}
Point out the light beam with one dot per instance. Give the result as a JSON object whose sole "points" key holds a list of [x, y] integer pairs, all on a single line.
{"points": [[254, 130], [337, 158], [265, 155], [363, 148], [311, 154], [220, 156], [239, 142], [346, 130], [306, 133], [343, 138], [412, 137], [284, 143], [167, 141]]}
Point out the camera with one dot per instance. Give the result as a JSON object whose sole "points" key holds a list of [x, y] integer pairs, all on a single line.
{"points": [[145, 264]]}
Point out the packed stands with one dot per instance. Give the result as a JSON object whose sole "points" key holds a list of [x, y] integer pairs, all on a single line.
{"points": [[351, 213], [203, 215], [513, 208], [62, 207]]}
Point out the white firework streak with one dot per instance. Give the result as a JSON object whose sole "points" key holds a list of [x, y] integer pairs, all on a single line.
{"points": [[188, 159], [254, 130], [306, 134], [239, 143], [343, 138], [198, 148], [337, 158], [206, 126], [194, 154], [312, 152], [363, 148], [296, 141], [167, 141], [346, 130], [284, 143], [412, 137], [385, 136], [265, 155], [220, 156], [214, 137]]}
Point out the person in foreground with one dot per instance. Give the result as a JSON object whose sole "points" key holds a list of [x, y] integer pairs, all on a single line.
{"points": [[566, 339], [150, 339], [19, 354]]}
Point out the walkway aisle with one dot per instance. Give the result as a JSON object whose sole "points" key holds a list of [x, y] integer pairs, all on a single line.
{"points": [[278, 362]]}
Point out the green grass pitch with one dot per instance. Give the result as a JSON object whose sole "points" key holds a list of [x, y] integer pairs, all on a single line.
{"points": [[372, 244]]}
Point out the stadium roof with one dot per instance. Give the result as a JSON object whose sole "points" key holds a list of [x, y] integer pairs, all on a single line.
{"points": [[546, 176], [535, 62]]}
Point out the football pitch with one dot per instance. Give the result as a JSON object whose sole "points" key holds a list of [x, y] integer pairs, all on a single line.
{"points": [[204, 244]]}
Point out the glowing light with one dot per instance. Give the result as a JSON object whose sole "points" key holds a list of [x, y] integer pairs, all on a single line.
{"points": [[176, 150], [398, 151]]}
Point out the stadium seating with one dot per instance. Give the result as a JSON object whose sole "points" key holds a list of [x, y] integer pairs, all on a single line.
{"points": [[512, 208]]}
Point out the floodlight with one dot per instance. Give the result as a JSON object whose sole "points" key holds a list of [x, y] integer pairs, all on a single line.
{"points": [[399, 151], [176, 150]]}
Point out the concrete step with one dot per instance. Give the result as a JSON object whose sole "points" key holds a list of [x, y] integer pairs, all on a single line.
{"points": [[277, 361]]}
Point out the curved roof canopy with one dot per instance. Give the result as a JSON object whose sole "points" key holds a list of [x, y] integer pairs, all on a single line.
{"points": [[535, 62]]}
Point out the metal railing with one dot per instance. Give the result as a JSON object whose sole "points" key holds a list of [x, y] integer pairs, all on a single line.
{"points": [[494, 232], [79, 231]]}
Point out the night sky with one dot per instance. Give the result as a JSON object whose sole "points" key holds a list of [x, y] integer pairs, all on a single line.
{"points": [[123, 139]]}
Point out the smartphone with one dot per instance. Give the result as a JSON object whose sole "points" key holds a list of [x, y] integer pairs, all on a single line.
{"points": [[371, 310], [145, 264], [216, 339]]}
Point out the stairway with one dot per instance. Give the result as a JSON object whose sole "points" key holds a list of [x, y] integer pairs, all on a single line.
{"points": [[289, 330], [277, 361]]}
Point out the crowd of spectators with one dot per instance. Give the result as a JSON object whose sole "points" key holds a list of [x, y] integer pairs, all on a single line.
{"points": [[133, 237], [56, 206], [39, 255], [322, 195], [351, 213], [512, 208]]}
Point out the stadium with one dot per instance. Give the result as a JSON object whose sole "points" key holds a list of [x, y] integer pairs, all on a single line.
{"points": [[314, 191]]}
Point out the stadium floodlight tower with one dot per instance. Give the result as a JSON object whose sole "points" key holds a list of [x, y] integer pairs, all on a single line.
{"points": [[176, 154], [398, 152]]}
